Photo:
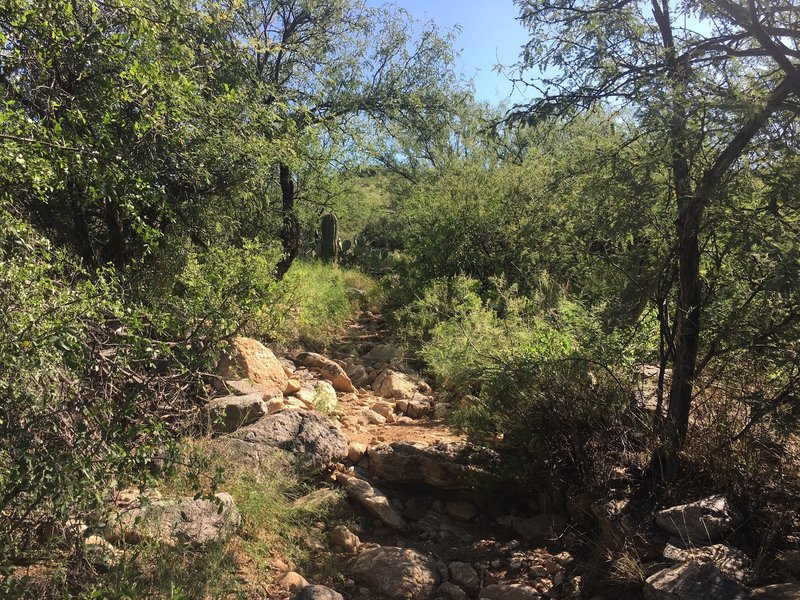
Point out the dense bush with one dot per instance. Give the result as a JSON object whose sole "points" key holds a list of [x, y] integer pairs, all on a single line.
{"points": [[93, 391], [560, 415]]}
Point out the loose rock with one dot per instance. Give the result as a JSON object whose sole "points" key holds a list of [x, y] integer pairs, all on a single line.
{"points": [[345, 539], [450, 591], [514, 591], [393, 384], [464, 576], [292, 582], [247, 358], [461, 509], [324, 397], [373, 500], [329, 369], [317, 592], [356, 451]]}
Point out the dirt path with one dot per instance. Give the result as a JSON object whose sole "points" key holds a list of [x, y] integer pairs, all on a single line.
{"points": [[425, 531]]}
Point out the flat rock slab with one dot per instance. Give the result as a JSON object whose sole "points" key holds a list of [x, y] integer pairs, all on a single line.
{"points": [[449, 466], [693, 581], [702, 522], [397, 573], [308, 435]]}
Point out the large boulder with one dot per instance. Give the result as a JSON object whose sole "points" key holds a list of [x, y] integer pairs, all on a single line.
{"points": [[393, 384], [397, 573], [329, 369], [692, 581], [247, 358], [373, 500], [702, 522], [187, 521], [306, 434], [449, 466], [229, 413]]}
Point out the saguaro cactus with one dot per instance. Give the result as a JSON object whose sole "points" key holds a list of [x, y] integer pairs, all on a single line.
{"points": [[329, 248]]}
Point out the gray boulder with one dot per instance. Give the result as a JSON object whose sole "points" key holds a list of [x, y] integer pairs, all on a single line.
{"points": [[185, 521], [309, 436], [229, 413], [692, 581], [702, 522]]}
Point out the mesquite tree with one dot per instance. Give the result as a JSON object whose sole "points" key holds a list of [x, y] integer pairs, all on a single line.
{"points": [[707, 79], [331, 65]]}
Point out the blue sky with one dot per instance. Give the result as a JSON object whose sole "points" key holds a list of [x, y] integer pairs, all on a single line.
{"points": [[490, 35]]}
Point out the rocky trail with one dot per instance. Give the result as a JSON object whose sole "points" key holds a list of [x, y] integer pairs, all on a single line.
{"points": [[435, 517]]}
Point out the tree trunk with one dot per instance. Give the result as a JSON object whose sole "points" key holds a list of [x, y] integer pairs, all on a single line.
{"points": [[117, 244], [290, 231], [686, 334]]}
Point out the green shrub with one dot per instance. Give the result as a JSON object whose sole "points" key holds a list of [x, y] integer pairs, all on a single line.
{"points": [[92, 394], [319, 298], [555, 413], [459, 334]]}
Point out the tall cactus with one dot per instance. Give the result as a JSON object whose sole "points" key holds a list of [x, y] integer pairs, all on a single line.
{"points": [[330, 238]]}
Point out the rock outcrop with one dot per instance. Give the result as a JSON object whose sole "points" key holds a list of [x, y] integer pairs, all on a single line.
{"points": [[187, 521]]}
